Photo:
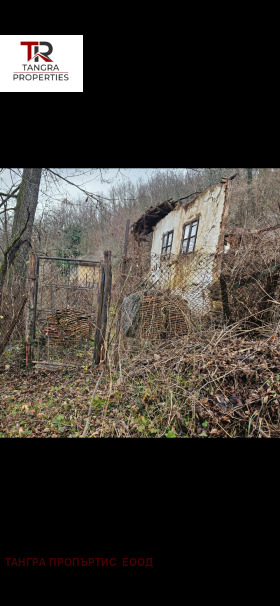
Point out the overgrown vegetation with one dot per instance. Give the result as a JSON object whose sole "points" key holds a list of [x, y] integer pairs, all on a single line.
{"points": [[220, 380], [222, 384]]}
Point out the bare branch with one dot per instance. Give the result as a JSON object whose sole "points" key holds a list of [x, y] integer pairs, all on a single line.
{"points": [[90, 407]]}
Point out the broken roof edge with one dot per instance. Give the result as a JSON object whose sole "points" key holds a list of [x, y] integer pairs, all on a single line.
{"points": [[145, 224]]}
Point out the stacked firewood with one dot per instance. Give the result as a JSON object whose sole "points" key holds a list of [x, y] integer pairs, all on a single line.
{"points": [[67, 325]]}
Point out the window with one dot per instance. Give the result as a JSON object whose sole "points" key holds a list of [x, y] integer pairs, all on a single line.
{"points": [[167, 244], [189, 236]]}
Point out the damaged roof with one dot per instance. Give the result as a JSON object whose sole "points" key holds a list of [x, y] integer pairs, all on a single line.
{"points": [[154, 214]]}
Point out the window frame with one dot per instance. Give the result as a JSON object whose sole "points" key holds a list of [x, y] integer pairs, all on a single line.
{"points": [[164, 253], [190, 223]]}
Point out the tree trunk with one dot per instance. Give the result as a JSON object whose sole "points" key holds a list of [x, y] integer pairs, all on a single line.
{"points": [[13, 324], [27, 201]]}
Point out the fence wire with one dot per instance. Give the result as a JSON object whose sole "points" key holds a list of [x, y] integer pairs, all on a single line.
{"points": [[178, 294], [66, 303]]}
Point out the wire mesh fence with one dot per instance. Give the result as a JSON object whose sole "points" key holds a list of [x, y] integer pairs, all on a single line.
{"points": [[65, 310], [174, 292], [180, 294]]}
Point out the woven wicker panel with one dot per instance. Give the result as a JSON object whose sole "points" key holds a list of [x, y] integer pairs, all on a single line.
{"points": [[176, 314], [162, 317], [152, 317]]}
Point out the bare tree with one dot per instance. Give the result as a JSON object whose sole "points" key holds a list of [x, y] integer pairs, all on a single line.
{"points": [[27, 200]]}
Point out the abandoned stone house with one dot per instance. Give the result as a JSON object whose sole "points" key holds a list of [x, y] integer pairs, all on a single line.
{"points": [[188, 243], [186, 257]]}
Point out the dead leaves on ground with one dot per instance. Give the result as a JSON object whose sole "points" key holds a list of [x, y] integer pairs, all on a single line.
{"points": [[228, 390], [44, 404]]}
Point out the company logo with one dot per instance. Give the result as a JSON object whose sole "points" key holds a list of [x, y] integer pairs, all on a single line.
{"points": [[38, 54], [43, 70]]}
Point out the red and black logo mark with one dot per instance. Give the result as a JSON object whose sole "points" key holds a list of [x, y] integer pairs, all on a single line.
{"points": [[37, 54]]}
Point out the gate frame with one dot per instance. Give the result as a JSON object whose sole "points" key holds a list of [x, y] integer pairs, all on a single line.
{"points": [[33, 285]]}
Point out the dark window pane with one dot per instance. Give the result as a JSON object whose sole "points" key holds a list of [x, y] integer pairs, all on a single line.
{"points": [[191, 245], [194, 229], [167, 243], [190, 232]]}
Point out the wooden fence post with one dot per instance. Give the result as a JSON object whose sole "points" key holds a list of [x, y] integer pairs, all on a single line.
{"points": [[122, 280], [103, 307], [31, 303]]}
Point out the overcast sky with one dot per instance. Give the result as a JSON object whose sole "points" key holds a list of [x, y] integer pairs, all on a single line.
{"points": [[102, 180], [95, 181]]}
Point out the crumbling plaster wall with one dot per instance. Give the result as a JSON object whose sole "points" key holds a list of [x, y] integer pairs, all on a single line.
{"points": [[192, 275]]}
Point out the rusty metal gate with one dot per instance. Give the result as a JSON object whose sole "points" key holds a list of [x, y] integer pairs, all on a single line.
{"points": [[65, 310]]}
